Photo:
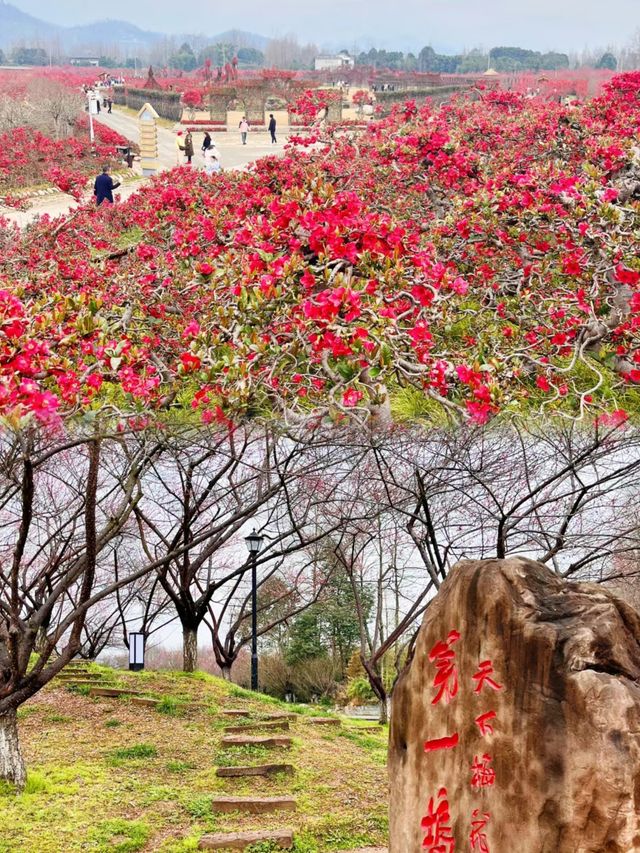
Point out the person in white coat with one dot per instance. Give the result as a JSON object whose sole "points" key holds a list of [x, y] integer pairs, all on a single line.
{"points": [[212, 163]]}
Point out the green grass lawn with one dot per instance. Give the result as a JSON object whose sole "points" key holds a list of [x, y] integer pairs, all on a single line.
{"points": [[105, 775]]}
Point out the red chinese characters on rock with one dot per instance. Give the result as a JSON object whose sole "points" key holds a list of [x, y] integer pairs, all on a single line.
{"points": [[483, 676], [448, 742], [436, 825], [446, 677], [477, 836], [483, 723], [482, 775]]}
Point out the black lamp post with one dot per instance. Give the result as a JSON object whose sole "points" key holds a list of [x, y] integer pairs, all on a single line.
{"points": [[254, 544]]}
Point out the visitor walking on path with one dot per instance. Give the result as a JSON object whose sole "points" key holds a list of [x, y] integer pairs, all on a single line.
{"points": [[179, 148], [104, 187], [188, 147], [244, 129], [272, 128], [206, 143]]}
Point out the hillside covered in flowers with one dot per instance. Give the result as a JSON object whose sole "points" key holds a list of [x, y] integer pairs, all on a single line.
{"points": [[463, 261]]}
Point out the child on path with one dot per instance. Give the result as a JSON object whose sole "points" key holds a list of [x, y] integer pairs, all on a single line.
{"points": [[244, 129], [212, 163]]}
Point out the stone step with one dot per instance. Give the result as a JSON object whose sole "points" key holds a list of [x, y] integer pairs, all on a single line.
{"points": [[275, 716], [110, 692], [254, 805], [291, 718], [268, 742], [324, 721], [76, 673], [281, 725], [145, 702], [75, 679], [376, 728], [79, 682], [282, 838], [367, 850], [257, 770]]}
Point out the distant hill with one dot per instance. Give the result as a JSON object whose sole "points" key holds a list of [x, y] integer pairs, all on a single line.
{"points": [[17, 28], [108, 32]]}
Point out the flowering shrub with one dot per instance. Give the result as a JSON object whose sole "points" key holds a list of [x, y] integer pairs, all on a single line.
{"points": [[29, 158], [362, 97], [312, 101], [462, 261], [194, 99]]}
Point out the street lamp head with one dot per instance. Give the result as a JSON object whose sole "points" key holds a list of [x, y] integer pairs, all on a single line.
{"points": [[254, 542]]}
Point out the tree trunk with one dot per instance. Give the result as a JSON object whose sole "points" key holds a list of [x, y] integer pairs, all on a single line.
{"points": [[226, 672], [383, 719], [12, 768], [41, 640], [377, 685], [189, 649]]}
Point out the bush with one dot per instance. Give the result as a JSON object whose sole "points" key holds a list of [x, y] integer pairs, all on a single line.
{"points": [[359, 691], [276, 676], [315, 677]]}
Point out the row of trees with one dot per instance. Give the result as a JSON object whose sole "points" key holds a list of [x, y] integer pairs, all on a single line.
{"points": [[475, 61], [285, 52], [187, 59], [47, 106], [361, 530]]}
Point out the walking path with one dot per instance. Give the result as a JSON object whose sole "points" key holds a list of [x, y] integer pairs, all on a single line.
{"points": [[233, 155]]}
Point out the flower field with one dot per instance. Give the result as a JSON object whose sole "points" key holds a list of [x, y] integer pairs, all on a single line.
{"points": [[461, 262], [28, 158]]}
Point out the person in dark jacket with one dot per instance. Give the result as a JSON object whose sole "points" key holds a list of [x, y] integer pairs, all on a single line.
{"points": [[104, 187], [188, 147], [207, 141], [272, 128]]}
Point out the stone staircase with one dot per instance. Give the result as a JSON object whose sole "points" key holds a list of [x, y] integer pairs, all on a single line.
{"points": [[254, 729]]}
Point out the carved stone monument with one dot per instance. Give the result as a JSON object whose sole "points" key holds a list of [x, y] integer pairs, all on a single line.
{"points": [[516, 725]]}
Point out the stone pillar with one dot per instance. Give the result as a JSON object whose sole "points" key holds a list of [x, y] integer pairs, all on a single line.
{"points": [[335, 112], [147, 119], [516, 725], [254, 108], [218, 108]]}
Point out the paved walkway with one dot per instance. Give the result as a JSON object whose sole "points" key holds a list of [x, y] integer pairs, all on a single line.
{"points": [[57, 205], [233, 155]]}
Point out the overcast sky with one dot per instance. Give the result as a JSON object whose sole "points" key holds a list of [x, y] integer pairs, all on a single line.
{"points": [[452, 24]]}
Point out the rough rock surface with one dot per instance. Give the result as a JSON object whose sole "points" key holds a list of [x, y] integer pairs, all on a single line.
{"points": [[565, 746]]}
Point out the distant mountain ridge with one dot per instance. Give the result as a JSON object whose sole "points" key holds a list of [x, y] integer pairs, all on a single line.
{"points": [[17, 28]]}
